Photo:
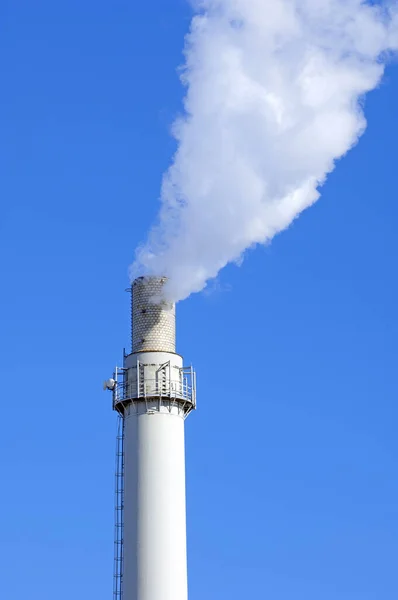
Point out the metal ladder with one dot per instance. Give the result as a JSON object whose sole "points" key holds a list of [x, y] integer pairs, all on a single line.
{"points": [[119, 507]]}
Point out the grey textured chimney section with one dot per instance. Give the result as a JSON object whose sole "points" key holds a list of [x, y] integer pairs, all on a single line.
{"points": [[153, 319]]}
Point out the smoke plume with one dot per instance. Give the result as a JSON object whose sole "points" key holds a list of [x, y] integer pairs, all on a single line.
{"points": [[274, 96]]}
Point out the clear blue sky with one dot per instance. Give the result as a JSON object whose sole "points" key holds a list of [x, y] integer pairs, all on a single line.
{"points": [[292, 454]]}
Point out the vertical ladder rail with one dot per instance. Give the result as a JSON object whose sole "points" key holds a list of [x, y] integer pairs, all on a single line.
{"points": [[119, 507]]}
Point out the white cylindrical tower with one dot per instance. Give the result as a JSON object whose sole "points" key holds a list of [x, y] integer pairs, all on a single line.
{"points": [[153, 395]]}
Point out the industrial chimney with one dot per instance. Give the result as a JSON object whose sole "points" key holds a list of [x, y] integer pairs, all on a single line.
{"points": [[153, 394]]}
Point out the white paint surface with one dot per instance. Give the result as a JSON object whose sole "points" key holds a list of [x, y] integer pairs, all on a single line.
{"points": [[155, 565]]}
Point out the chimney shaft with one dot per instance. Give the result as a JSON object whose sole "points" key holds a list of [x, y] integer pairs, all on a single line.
{"points": [[153, 319], [153, 395]]}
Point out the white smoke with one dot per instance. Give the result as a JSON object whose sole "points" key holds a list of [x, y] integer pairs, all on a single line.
{"points": [[274, 97]]}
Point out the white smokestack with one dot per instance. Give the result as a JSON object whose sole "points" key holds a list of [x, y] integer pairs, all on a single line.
{"points": [[153, 394], [274, 97]]}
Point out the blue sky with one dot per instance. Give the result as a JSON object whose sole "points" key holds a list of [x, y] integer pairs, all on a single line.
{"points": [[292, 454]]}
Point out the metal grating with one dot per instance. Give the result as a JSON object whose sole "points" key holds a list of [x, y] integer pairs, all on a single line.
{"points": [[119, 508]]}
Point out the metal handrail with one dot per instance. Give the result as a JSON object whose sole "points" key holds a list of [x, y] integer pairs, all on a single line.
{"points": [[150, 388]]}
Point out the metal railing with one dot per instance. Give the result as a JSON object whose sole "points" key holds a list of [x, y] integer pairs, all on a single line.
{"points": [[182, 389], [151, 388]]}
